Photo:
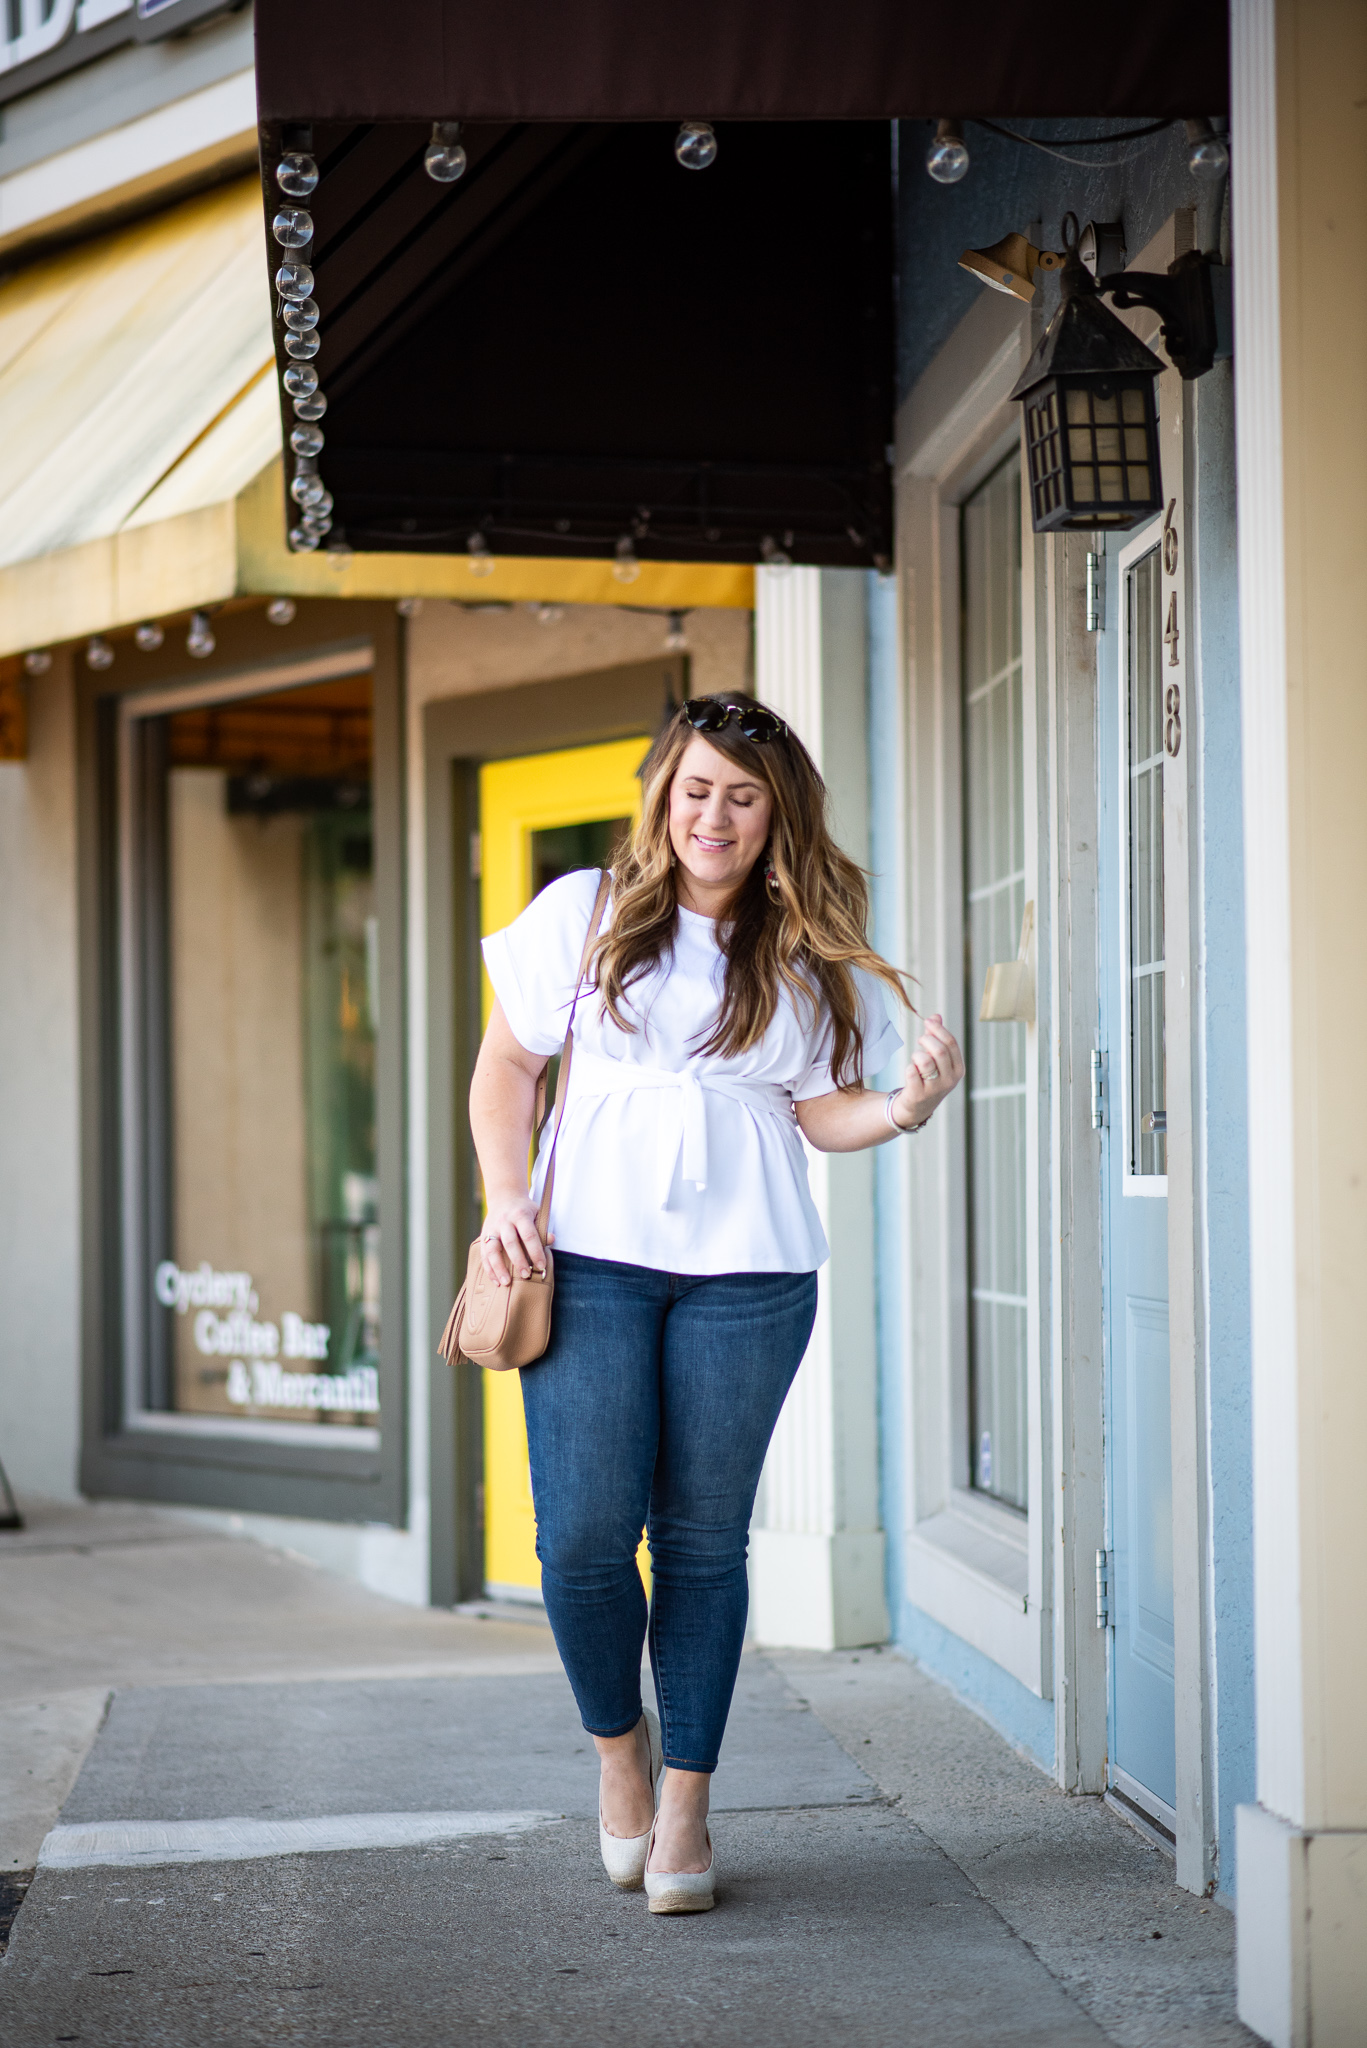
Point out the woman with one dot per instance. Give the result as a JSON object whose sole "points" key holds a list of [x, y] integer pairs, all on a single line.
{"points": [[732, 1002]]}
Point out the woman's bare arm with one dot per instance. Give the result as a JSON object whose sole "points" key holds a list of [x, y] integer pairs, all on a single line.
{"points": [[502, 1110], [852, 1119]]}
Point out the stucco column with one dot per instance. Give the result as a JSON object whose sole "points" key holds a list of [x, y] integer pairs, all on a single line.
{"points": [[1299, 137], [816, 1547]]}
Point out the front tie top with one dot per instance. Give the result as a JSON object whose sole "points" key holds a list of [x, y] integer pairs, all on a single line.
{"points": [[670, 1158]]}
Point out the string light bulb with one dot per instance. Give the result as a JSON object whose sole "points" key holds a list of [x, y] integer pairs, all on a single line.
{"points": [[301, 540], [294, 282], [301, 314], [776, 560], [947, 157], [1207, 152], [306, 440], [408, 607], [148, 637], [199, 641], [98, 653], [302, 346], [300, 380], [37, 661], [311, 408], [676, 640], [477, 551], [281, 610], [695, 145], [444, 158], [296, 174], [293, 227], [626, 568]]}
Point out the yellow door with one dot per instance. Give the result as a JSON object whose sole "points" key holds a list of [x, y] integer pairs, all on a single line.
{"points": [[539, 818]]}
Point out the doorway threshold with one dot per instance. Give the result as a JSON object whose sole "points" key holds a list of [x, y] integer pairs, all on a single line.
{"points": [[1144, 1823]]}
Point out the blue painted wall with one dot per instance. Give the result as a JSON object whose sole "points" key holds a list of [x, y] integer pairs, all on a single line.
{"points": [[1224, 1057], [1011, 187]]}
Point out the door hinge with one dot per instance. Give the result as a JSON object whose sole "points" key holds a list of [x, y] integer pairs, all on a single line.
{"points": [[1096, 592], [1098, 1089], [1103, 1589]]}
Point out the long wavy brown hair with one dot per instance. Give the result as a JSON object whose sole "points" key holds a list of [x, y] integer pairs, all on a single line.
{"points": [[803, 932]]}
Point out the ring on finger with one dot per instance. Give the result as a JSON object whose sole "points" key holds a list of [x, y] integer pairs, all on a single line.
{"points": [[931, 1076]]}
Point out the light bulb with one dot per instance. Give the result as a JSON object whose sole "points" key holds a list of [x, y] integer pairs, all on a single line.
{"points": [[300, 380], [549, 614], [775, 559], [302, 540], [301, 346], [676, 640], [148, 636], [626, 568], [296, 174], [444, 158], [301, 314], [311, 408], [481, 561], [947, 157], [322, 503], [307, 488], [1208, 157], [695, 145], [294, 282], [99, 653], [37, 661], [199, 641], [339, 554], [281, 610], [316, 520], [408, 607], [306, 440], [293, 227]]}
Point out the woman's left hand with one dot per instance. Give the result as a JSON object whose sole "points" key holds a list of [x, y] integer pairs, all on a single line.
{"points": [[937, 1067]]}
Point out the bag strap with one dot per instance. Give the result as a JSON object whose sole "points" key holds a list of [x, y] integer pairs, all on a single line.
{"points": [[543, 1214]]}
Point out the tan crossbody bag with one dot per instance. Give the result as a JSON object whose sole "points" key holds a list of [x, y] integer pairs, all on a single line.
{"points": [[503, 1328]]}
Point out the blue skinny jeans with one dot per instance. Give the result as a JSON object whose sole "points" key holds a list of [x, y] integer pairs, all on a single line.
{"points": [[653, 1407]]}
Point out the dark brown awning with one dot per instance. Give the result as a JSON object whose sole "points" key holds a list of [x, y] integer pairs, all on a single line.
{"points": [[736, 60], [581, 343]]}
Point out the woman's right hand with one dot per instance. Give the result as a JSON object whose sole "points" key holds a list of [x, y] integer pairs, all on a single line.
{"points": [[510, 1242]]}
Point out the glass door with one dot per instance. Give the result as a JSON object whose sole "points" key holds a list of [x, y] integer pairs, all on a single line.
{"points": [[1139, 1457], [540, 817]]}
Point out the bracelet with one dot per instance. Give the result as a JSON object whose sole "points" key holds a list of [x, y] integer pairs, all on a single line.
{"points": [[902, 1130]]}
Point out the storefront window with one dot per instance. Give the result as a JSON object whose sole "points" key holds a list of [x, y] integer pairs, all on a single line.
{"points": [[261, 996]]}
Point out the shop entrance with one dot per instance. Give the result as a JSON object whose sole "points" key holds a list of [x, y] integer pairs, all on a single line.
{"points": [[1139, 1560], [540, 817]]}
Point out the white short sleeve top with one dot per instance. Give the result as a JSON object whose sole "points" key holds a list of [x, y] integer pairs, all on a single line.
{"points": [[668, 1157]]}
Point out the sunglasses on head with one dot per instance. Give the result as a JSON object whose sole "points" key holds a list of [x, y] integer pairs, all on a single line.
{"points": [[706, 714]]}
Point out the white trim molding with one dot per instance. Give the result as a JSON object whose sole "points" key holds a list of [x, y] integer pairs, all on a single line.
{"points": [[977, 1568]]}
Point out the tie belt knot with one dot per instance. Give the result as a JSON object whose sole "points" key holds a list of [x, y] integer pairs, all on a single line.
{"points": [[685, 1143]]}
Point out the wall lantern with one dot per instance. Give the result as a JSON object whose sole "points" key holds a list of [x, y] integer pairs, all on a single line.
{"points": [[1091, 417]]}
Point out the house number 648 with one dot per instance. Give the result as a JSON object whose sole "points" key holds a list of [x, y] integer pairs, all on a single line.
{"points": [[1172, 702]]}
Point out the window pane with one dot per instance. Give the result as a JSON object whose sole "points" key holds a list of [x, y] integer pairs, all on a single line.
{"points": [[266, 1254], [994, 863], [1144, 722]]}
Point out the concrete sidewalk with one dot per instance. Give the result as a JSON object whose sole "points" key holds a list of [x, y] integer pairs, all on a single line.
{"points": [[889, 1871]]}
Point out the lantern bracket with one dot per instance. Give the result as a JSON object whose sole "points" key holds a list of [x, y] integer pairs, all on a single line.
{"points": [[1188, 301]]}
